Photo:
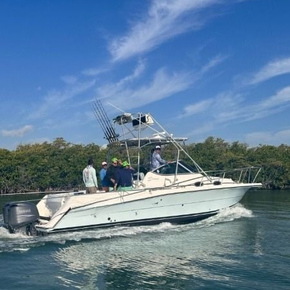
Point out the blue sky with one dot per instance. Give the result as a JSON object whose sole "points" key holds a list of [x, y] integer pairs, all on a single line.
{"points": [[201, 67]]}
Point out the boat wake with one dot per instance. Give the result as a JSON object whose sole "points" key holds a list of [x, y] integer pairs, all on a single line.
{"points": [[230, 214], [20, 242]]}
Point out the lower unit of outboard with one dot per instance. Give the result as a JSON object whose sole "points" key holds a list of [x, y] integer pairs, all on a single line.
{"points": [[20, 217]]}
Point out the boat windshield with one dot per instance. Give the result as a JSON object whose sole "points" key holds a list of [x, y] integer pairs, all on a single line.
{"points": [[170, 168]]}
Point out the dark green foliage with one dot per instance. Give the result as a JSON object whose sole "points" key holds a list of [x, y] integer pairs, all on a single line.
{"points": [[216, 154], [58, 165], [46, 166]]}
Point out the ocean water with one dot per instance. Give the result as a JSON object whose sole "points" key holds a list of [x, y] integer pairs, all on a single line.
{"points": [[245, 247]]}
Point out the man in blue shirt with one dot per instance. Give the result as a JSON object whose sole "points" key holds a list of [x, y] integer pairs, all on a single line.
{"points": [[104, 180], [125, 177]]}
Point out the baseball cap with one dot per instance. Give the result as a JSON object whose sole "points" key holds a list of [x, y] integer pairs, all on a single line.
{"points": [[104, 163], [114, 159], [125, 163], [157, 147]]}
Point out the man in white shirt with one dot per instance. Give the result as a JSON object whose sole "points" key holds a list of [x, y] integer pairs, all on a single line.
{"points": [[90, 177], [156, 159]]}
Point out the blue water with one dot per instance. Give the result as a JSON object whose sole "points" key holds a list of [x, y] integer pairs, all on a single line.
{"points": [[245, 247]]}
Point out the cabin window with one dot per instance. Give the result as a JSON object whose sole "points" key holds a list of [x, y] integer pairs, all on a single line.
{"points": [[171, 167]]}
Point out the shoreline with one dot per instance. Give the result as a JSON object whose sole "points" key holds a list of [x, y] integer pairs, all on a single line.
{"points": [[35, 192]]}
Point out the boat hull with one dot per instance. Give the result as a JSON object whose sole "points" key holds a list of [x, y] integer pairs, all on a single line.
{"points": [[146, 207]]}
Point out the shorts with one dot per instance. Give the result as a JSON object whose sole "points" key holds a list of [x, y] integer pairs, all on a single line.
{"points": [[92, 189]]}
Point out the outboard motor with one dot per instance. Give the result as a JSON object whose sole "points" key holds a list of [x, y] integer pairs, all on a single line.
{"points": [[20, 216]]}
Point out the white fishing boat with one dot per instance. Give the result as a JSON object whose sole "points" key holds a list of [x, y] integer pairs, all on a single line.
{"points": [[177, 192]]}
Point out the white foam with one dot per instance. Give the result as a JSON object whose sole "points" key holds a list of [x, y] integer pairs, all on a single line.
{"points": [[18, 240], [227, 215]]}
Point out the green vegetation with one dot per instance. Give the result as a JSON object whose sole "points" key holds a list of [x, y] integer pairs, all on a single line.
{"points": [[58, 165], [41, 167]]}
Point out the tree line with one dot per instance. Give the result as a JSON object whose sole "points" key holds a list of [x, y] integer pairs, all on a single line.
{"points": [[58, 165]]}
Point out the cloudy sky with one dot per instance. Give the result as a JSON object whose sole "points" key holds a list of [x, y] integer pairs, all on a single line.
{"points": [[203, 68]]}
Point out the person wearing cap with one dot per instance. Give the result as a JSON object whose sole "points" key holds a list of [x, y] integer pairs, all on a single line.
{"points": [[156, 159], [125, 177], [104, 180], [112, 174], [90, 178]]}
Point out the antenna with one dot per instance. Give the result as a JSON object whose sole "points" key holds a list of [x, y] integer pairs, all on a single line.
{"points": [[102, 117], [116, 107]]}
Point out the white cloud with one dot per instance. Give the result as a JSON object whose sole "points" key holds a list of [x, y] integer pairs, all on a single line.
{"points": [[201, 129], [96, 71], [271, 70], [228, 108], [124, 93], [135, 75], [222, 108], [69, 79], [212, 63], [281, 98], [165, 19], [54, 100], [196, 108], [265, 137], [268, 106], [162, 86], [18, 132]]}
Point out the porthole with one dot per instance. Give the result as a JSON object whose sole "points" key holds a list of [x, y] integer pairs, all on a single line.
{"points": [[217, 182]]}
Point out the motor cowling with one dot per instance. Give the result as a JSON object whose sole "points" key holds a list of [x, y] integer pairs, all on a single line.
{"points": [[20, 216]]}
